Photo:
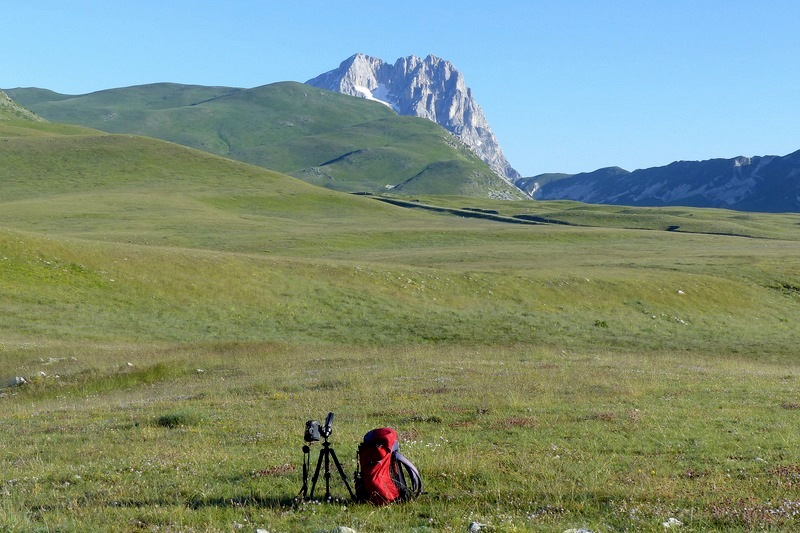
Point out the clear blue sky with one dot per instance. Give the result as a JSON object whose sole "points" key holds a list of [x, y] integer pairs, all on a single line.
{"points": [[567, 85]]}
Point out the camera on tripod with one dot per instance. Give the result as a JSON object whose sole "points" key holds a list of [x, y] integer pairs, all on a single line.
{"points": [[315, 431]]}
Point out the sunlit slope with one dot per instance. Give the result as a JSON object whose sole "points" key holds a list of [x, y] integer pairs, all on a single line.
{"points": [[116, 238], [559, 290], [26, 128], [135, 189], [326, 138]]}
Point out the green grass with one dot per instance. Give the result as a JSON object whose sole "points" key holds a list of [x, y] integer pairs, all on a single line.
{"points": [[179, 317], [517, 437]]}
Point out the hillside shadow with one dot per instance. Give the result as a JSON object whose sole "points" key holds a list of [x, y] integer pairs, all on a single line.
{"points": [[470, 212]]}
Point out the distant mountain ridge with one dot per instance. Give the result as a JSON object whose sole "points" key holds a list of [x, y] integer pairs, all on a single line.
{"points": [[431, 88], [761, 183]]}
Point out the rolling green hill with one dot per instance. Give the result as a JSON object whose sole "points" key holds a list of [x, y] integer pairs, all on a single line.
{"points": [[354, 268], [328, 139]]}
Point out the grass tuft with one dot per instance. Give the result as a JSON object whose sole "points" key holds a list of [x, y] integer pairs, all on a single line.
{"points": [[178, 419]]}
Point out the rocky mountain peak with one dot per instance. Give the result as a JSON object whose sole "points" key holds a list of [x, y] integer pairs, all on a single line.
{"points": [[431, 88]]}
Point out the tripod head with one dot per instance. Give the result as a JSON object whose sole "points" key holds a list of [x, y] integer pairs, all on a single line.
{"points": [[316, 431]]}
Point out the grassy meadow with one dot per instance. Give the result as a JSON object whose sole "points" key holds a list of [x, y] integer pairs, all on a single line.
{"points": [[178, 318]]}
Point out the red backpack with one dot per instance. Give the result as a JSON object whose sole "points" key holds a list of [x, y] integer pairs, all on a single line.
{"points": [[384, 475]]}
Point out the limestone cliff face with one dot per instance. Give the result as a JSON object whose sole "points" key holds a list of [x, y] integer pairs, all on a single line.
{"points": [[431, 88]]}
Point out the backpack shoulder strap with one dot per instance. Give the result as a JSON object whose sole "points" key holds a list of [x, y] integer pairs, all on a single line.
{"points": [[414, 488]]}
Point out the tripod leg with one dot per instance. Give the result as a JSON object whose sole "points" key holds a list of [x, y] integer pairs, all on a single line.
{"points": [[306, 467], [327, 473], [316, 473], [341, 473]]}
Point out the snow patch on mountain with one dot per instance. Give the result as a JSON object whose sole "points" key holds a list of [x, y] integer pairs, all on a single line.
{"points": [[378, 94]]}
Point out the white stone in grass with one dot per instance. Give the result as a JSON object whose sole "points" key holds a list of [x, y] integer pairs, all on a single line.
{"points": [[672, 522], [15, 382]]}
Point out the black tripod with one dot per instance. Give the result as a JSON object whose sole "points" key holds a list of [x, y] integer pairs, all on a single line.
{"points": [[325, 454]]}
